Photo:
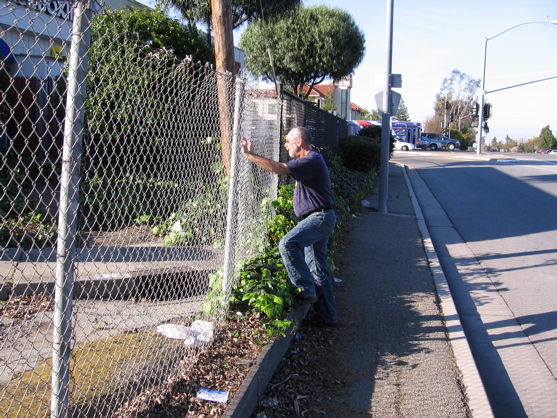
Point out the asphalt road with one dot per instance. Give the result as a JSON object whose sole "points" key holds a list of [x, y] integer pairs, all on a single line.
{"points": [[495, 229]]}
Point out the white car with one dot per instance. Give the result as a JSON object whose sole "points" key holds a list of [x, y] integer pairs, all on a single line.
{"points": [[404, 146]]}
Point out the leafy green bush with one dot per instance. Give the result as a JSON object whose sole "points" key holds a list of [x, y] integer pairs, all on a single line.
{"points": [[284, 219], [155, 27], [374, 132], [466, 139], [264, 287], [360, 153]]}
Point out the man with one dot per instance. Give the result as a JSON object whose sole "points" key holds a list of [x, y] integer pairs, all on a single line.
{"points": [[304, 248]]}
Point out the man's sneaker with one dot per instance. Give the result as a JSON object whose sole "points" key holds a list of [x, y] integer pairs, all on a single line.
{"points": [[301, 301]]}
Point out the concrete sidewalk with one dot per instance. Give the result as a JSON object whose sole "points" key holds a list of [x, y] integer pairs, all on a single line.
{"points": [[402, 319], [400, 336]]}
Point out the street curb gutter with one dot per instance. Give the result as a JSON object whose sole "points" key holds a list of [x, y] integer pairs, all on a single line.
{"points": [[473, 385], [255, 384]]}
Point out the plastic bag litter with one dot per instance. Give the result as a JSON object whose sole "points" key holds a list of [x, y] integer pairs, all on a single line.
{"points": [[205, 330], [200, 332]]}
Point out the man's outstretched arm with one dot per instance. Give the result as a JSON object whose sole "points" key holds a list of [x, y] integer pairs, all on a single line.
{"points": [[266, 163]]}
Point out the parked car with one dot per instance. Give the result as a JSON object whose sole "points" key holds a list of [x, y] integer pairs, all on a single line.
{"points": [[551, 151], [403, 146], [435, 141]]}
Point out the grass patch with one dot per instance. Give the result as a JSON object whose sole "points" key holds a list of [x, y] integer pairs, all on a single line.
{"points": [[103, 372]]}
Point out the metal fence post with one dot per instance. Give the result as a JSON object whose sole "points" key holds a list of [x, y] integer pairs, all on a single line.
{"points": [[71, 158], [232, 192]]}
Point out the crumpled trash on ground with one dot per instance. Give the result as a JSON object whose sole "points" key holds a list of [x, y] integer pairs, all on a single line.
{"points": [[212, 395], [200, 332]]}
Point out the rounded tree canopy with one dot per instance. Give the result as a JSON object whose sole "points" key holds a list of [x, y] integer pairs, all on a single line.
{"points": [[307, 46]]}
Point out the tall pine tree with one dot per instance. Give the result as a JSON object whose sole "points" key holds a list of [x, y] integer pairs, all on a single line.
{"points": [[402, 112], [547, 140]]}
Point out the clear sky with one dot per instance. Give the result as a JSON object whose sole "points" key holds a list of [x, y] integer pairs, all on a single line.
{"points": [[433, 37]]}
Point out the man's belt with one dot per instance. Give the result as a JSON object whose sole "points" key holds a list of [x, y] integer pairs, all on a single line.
{"points": [[314, 211]]}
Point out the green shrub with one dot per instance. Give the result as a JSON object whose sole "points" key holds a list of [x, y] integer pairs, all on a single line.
{"points": [[348, 188], [264, 288], [284, 218], [372, 131], [466, 138], [360, 153]]}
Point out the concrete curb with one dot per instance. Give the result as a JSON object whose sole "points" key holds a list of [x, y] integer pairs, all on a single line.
{"points": [[475, 391], [256, 382]]}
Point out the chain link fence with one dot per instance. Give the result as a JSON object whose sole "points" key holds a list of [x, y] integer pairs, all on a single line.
{"points": [[125, 206]]}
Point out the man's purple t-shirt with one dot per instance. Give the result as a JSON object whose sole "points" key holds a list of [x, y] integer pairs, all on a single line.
{"points": [[313, 191]]}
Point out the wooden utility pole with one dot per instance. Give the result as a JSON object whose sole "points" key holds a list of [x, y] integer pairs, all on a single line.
{"points": [[224, 59], [224, 41]]}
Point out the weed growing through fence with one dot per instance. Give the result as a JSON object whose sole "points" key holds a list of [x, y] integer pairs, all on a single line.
{"points": [[263, 287], [265, 290]]}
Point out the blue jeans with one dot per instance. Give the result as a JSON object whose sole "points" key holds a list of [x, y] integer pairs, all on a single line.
{"points": [[304, 252]]}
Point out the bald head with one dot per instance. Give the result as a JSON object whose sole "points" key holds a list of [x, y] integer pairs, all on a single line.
{"points": [[300, 132]]}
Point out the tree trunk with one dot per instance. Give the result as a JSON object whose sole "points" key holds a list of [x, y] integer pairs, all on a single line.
{"points": [[224, 58]]}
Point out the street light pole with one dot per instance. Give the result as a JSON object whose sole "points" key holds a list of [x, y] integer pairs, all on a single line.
{"points": [[482, 102], [386, 118], [483, 92]]}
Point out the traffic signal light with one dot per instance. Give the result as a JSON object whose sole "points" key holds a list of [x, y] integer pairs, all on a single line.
{"points": [[446, 104], [487, 111], [452, 116], [475, 111]]}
